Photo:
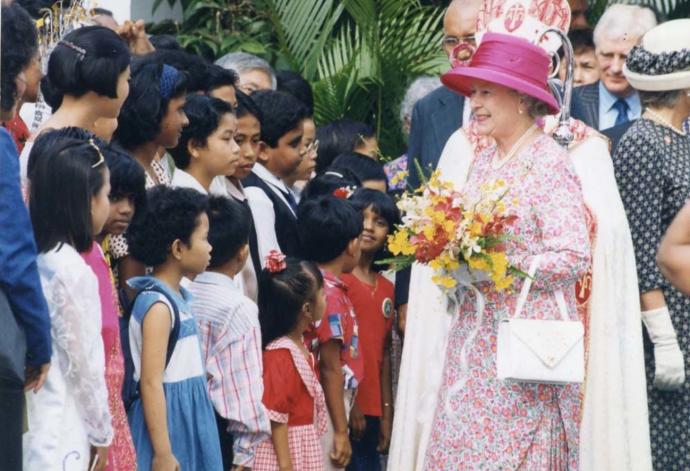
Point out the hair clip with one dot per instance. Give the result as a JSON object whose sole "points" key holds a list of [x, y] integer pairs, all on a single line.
{"points": [[168, 80], [335, 174], [101, 159], [344, 192], [275, 262], [81, 52]]}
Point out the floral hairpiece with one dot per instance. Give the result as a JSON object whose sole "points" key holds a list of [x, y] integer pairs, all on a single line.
{"points": [[275, 262], [344, 192]]}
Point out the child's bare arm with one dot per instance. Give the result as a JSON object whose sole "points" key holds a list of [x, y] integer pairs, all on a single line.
{"points": [[333, 387], [155, 333], [279, 435]]}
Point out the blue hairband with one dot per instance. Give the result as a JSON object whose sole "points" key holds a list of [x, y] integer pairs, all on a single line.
{"points": [[168, 80]]}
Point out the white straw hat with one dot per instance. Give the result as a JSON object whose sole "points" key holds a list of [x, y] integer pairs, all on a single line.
{"points": [[662, 60]]}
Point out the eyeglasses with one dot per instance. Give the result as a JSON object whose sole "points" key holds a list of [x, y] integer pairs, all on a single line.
{"points": [[313, 146], [451, 42]]}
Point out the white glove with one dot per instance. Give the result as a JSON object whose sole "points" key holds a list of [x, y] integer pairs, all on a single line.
{"points": [[669, 365]]}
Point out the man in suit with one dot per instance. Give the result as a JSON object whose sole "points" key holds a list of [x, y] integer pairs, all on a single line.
{"points": [[611, 101], [439, 114]]}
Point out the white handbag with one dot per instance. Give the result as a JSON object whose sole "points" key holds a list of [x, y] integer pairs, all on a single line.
{"points": [[540, 351]]}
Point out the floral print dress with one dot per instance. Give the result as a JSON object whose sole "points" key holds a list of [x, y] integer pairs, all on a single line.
{"points": [[482, 422]]}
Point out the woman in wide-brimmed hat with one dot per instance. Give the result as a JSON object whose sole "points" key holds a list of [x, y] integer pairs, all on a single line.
{"points": [[482, 422], [652, 163]]}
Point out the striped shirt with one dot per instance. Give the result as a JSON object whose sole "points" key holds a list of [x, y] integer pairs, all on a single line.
{"points": [[230, 338]]}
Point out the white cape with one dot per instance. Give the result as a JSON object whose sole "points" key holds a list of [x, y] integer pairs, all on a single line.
{"points": [[615, 430]]}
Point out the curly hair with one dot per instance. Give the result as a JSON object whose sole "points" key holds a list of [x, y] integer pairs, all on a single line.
{"points": [[19, 45], [142, 112], [281, 114], [170, 214]]}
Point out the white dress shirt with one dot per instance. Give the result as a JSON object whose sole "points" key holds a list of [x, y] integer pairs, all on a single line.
{"points": [[608, 114]]}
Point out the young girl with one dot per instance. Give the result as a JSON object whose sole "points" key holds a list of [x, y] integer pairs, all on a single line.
{"points": [[172, 421], [207, 147], [371, 293], [151, 119], [87, 79], [290, 298], [69, 420]]}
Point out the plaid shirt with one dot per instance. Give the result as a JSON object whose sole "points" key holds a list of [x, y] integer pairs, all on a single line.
{"points": [[231, 344]]}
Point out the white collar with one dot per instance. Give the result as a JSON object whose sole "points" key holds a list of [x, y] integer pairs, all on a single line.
{"points": [[265, 174], [182, 179], [215, 278]]}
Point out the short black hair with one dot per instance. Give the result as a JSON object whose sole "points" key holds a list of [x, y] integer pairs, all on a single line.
{"points": [[294, 84], [246, 105], [64, 179], [143, 111], [328, 182], [19, 45], [98, 70], [282, 295], [53, 137], [229, 227], [165, 41], [382, 205], [191, 64], [170, 214], [363, 167], [581, 39], [204, 113], [216, 77], [339, 137], [127, 176], [281, 112], [326, 225]]}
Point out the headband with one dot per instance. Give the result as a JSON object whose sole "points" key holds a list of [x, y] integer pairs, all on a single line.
{"points": [[168, 80]]}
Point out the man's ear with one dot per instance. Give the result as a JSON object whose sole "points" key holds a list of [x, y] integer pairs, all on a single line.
{"points": [[263, 152]]}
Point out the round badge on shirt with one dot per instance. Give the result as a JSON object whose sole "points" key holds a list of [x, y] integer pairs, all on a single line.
{"points": [[387, 308]]}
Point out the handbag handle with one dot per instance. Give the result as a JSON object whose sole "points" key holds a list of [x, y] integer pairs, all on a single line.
{"points": [[560, 299]]}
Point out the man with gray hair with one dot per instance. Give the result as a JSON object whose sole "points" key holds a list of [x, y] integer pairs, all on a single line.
{"points": [[255, 73], [611, 101]]}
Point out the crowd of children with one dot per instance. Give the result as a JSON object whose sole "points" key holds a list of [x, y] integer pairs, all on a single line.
{"points": [[245, 322]]}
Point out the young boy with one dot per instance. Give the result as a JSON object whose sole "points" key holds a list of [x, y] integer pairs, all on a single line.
{"points": [[248, 138], [230, 336], [280, 154], [330, 231], [221, 83], [207, 147]]}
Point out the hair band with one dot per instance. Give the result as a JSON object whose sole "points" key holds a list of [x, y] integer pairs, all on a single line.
{"points": [[168, 80], [335, 174], [81, 52], [101, 159]]}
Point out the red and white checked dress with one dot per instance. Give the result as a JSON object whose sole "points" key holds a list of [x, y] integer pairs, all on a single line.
{"points": [[292, 395]]}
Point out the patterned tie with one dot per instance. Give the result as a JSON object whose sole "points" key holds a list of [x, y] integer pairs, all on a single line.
{"points": [[622, 107]]}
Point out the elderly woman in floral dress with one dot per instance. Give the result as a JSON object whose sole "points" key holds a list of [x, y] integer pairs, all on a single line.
{"points": [[482, 422]]}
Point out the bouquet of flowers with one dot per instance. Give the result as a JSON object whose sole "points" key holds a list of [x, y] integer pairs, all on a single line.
{"points": [[440, 229]]}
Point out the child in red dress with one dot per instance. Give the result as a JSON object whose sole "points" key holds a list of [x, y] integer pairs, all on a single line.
{"points": [[371, 418], [290, 298]]}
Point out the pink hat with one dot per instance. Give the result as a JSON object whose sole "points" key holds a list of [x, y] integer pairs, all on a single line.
{"points": [[509, 61]]}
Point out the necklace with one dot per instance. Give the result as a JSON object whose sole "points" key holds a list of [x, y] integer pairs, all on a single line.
{"points": [[661, 120], [498, 163]]}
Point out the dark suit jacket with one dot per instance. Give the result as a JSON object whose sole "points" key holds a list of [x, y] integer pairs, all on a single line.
{"points": [[585, 105], [434, 118], [615, 133]]}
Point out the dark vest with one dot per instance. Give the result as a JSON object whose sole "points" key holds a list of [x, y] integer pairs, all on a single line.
{"points": [[286, 222], [253, 241]]}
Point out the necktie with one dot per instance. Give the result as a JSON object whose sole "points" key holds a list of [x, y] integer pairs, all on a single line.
{"points": [[291, 200], [622, 107]]}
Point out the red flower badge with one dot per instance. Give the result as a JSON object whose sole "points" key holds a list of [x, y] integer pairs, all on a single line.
{"points": [[275, 262]]}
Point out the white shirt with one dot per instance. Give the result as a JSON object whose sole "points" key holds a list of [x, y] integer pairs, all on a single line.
{"points": [[608, 114], [182, 179], [263, 211]]}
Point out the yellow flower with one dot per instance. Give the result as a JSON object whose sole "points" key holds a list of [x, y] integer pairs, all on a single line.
{"points": [[503, 283], [444, 281], [399, 243], [479, 263]]}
